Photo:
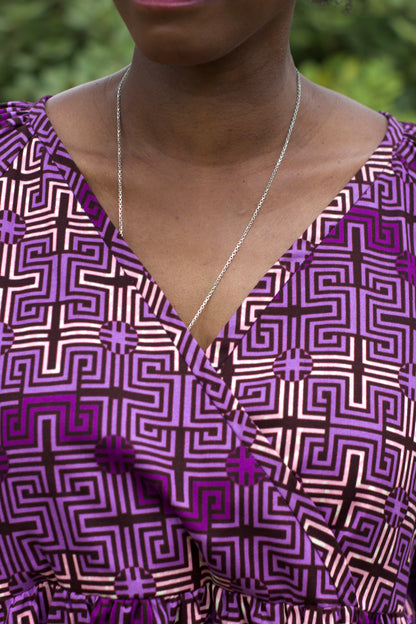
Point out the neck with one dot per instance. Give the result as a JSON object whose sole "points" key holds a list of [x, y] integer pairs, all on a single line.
{"points": [[223, 112]]}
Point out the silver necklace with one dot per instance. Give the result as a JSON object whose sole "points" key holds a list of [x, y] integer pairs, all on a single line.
{"points": [[255, 213]]}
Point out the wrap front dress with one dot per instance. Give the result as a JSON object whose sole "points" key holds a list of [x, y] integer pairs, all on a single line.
{"points": [[270, 479]]}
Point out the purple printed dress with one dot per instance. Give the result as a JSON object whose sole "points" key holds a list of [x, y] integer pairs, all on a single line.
{"points": [[269, 480]]}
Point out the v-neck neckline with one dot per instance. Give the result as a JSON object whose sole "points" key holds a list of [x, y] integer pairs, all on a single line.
{"points": [[267, 287]]}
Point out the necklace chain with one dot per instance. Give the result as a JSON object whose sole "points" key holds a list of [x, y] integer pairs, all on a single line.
{"points": [[255, 213]]}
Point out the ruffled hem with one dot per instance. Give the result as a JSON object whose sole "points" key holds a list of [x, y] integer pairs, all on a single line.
{"points": [[48, 603]]}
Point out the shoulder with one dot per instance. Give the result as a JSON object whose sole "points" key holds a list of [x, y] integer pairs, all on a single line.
{"points": [[403, 132], [16, 129], [409, 129], [17, 117], [402, 136], [393, 141], [83, 116], [75, 116], [13, 113]]}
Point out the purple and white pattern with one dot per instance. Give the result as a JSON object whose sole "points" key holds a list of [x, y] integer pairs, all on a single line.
{"points": [[268, 480]]}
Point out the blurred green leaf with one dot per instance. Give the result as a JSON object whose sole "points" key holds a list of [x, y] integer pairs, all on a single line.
{"points": [[53, 45], [367, 54]]}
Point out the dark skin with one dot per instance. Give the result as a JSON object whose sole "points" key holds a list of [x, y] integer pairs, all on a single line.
{"points": [[205, 111]]}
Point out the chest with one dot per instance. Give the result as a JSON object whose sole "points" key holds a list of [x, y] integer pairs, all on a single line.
{"points": [[184, 232], [320, 357]]}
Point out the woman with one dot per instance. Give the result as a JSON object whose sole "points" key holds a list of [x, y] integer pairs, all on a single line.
{"points": [[248, 460]]}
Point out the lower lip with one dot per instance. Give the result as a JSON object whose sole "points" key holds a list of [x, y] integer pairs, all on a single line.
{"points": [[168, 4]]}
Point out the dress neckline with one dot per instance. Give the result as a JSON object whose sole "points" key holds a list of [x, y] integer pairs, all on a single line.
{"points": [[268, 286]]}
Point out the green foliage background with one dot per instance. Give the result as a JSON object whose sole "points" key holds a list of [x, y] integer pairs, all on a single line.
{"points": [[368, 54]]}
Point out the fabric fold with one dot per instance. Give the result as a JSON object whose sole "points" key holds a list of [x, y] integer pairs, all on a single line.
{"points": [[51, 604]]}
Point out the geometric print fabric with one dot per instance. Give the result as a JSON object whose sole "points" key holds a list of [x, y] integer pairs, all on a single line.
{"points": [[269, 479]]}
